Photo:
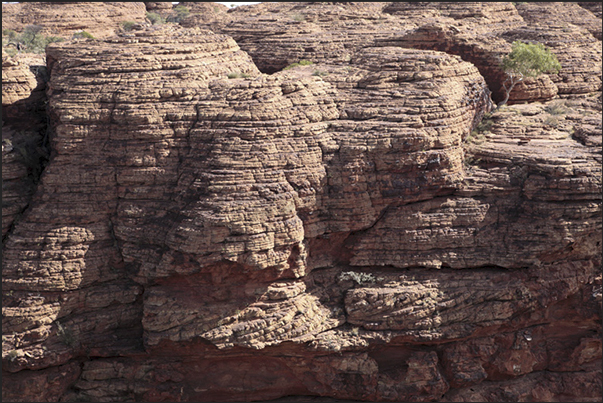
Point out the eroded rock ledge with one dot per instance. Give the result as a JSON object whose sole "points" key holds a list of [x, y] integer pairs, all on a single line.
{"points": [[361, 228]]}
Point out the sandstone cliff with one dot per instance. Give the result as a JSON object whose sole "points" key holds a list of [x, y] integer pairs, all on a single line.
{"points": [[24, 132], [186, 220], [100, 19]]}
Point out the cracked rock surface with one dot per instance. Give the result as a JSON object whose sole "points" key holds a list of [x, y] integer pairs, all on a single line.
{"points": [[185, 220]]}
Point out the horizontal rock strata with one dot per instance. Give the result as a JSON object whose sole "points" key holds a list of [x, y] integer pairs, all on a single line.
{"points": [[362, 227], [66, 18], [24, 132]]}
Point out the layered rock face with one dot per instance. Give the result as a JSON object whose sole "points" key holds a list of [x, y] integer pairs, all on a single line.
{"points": [[24, 134], [482, 33], [365, 227], [278, 34], [66, 18], [205, 14], [580, 14]]}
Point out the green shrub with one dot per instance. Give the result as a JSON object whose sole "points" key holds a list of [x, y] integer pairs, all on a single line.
{"points": [[526, 60], [552, 121], [182, 10], [300, 63], [30, 40], [181, 13], [485, 125], [475, 137], [11, 51], [320, 73], [155, 18], [31, 32], [127, 25], [556, 108], [48, 40], [83, 34], [9, 33], [298, 17]]}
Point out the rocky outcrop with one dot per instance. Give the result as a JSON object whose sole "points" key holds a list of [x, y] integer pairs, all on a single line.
{"points": [[593, 7], [63, 19], [277, 35], [23, 132], [364, 227], [206, 15], [22, 83], [476, 16], [162, 7], [484, 35], [578, 52], [566, 15], [543, 146], [333, 32]]}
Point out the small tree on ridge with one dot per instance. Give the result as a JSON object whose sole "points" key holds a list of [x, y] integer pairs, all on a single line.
{"points": [[526, 60]]}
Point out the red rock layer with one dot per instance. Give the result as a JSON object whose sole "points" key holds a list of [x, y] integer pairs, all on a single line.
{"points": [[360, 228]]}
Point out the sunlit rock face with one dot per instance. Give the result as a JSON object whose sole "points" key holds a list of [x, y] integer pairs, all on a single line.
{"points": [[64, 19], [199, 224]]}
